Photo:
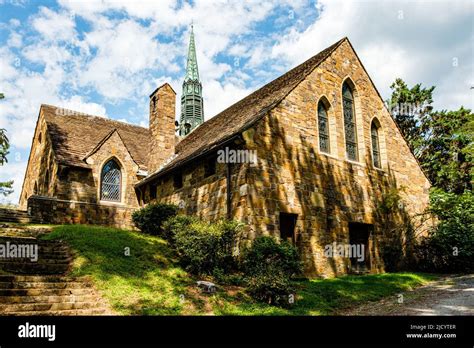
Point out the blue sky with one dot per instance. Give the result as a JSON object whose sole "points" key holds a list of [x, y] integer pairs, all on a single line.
{"points": [[105, 57]]}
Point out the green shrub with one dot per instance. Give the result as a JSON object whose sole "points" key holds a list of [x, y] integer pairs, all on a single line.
{"points": [[268, 267], [450, 246], [266, 252], [272, 287], [175, 224], [151, 218], [203, 247]]}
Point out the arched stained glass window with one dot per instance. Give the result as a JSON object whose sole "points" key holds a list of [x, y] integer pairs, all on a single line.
{"points": [[323, 127], [111, 180], [349, 122], [374, 133]]}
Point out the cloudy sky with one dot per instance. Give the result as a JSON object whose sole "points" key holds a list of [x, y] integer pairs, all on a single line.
{"points": [[105, 57]]}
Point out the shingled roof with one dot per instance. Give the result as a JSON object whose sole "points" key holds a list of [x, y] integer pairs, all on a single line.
{"points": [[241, 115], [75, 135]]}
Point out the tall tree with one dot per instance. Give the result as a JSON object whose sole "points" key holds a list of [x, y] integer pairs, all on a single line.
{"points": [[5, 187], [409, 107], [447, 152], [441, 140]]}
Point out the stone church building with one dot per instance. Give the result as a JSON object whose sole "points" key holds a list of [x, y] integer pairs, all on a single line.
{"points": [[330, 164]]}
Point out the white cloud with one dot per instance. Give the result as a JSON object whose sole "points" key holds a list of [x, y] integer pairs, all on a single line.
{"points": [[124, 52], [15, 40], [54, 26], [412, 40]]}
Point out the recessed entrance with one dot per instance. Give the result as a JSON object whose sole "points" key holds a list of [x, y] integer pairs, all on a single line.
{"points": [[287, 227], [359, 236]]}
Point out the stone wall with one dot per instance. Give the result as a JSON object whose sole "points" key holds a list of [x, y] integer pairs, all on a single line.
{"points": [[327, 192], [41, 172], [57, 211], [162, 126], [200, 195], [113, 148]]}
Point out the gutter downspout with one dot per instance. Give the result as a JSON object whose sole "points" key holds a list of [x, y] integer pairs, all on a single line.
{"points": [[228, 192]]}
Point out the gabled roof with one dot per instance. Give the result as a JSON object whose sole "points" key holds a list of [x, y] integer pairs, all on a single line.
{"points": [[74, 136], [242, 114]]}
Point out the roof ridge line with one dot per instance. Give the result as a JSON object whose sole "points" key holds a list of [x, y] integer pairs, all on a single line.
{"points": [[80, 113]]}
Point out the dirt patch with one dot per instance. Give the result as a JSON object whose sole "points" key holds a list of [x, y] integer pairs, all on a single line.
{"points": [[450, 295]]}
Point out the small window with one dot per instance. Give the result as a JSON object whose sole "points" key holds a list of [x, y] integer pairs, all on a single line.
{"points": [[323, 128], [374, 133], [178, 180], [210, 167], [40, 137]]}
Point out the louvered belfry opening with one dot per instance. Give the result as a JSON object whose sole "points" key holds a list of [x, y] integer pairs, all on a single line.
{"points": [[111, 181]]}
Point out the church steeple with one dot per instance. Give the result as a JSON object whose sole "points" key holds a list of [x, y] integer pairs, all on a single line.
{"points": [[192, 106]]}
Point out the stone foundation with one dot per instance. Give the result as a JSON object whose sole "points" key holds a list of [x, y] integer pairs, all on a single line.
{"points": [[57, 211]]}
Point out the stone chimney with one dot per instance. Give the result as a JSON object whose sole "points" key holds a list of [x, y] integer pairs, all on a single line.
{"points": [[162, 126]]}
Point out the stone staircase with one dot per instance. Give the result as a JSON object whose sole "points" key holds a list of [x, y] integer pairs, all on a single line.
{"points": [[42, 287], [14, 215], [48, 295]]}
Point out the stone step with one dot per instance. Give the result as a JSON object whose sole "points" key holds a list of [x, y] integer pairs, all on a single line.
{"points": [[82, 291], [39, 278], [45, 285], [16, 220], [10, 210], [40, 257], [34, 268], [41, 260], [75, 312], [49, 299], [14, 215], [31, 240], [28, 307]]}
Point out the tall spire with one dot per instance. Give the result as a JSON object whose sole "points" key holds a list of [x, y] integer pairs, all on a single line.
{"points": [[192, 72], [192, 105]]}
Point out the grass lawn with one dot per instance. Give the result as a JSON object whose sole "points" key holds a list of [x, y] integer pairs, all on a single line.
{"points": [[151, 282]]}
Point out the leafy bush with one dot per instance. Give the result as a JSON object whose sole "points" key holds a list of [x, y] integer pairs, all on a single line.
{"points": [[268, 267], [203, 247], [271, 287], [450, 246], [151, 218]]}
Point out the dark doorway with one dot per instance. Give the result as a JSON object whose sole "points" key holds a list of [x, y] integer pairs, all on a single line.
{"points": [[359, 236], [287, 227]]}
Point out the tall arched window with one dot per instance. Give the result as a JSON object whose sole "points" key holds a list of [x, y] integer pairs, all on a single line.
{"points": [[111, 180], [46, 181], [374, 134], [323, 127], [349, 122]]}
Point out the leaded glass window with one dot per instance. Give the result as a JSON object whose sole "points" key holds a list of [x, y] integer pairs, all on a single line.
{"points": [[349, 123], [374, 133], [111, 179], [323, 127]]}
